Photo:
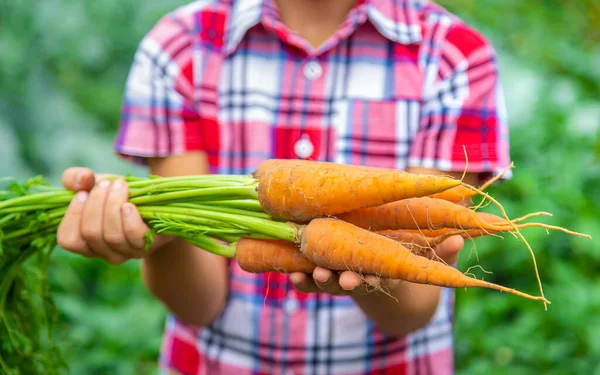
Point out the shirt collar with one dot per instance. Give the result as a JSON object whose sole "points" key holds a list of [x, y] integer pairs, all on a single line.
{"points": [[397, 20]]}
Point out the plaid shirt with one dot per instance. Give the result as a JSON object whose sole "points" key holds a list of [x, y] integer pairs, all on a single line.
{"points": [[402, 83]]}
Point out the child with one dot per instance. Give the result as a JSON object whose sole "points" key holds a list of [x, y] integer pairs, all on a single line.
{"points": [[219, 86]]}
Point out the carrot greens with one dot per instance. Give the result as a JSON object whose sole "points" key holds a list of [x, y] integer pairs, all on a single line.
{"points": [[210, 211]]}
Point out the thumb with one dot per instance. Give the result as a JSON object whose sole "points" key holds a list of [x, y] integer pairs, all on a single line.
{"points": [[450, 248], [78, 178]]}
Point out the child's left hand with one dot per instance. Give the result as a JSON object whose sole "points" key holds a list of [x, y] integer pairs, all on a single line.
{"points": [[349, 283]]}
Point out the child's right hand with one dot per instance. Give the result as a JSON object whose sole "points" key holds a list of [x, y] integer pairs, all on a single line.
{"points": [[100, 223]]}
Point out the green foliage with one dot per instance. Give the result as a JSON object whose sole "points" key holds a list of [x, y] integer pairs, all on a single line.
{"points": [[27, 311], [556, 173], [556, 35], [109, 322], [63, 65], [549, 54]]}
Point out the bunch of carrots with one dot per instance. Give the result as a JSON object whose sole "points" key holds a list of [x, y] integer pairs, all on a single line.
{"points": [[289, 216]]}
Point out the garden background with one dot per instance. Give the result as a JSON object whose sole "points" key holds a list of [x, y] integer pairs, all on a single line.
{"points": [[63, 64]]}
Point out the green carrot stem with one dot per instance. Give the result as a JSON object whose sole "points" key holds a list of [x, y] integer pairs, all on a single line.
{"points": [[9, 275], [243, 191], [209, 206], [163, 225], [27, 239], [242, 204], [206, 243], [179, 185], [150, 181], [229, 238], [47, 188], [52, 197], [175, 223], [280, 230], [30, 207], [209, 200], [4, 367], [6, 220], [211, 232], [150, 213], [57, 213], [10, 330], [53, 224]]}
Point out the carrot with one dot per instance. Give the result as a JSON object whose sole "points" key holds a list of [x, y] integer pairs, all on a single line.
{"points": [[423, 242], [469, 233], [415, 242], [340, 246], [432, 213], [258, 256], [417, 213], [433, 233], [456, 194], [270, 164], [460, 193], [301, 192], [408, 237]]}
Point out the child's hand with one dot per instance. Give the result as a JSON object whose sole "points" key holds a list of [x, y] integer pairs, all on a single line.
{"points": [[349, 283], [99, 222]]}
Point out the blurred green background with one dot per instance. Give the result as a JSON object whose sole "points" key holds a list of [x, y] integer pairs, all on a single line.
{"points": [[63, 64]]}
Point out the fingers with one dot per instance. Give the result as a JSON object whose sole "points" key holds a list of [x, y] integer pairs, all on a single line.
{"points": [[134, 227], [450, 249], [92, 223], [303, 283], [327, 281], [322, 280], [69, 230], [102, 224], [113, 224], [349, 281]]}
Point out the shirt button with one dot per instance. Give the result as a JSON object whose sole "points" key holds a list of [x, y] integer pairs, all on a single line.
{"points": [[304, 147], [313, 70], [291, 305]]}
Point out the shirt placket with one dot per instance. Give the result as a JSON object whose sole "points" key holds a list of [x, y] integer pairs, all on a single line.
{"points": [[312, 69], [312, 72]]}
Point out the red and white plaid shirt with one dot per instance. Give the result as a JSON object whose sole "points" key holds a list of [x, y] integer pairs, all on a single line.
{"points": [[401, 83]]}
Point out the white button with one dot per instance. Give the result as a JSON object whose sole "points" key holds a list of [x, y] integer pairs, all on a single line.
{"points": [[304, 147], [291, 305], [313, 70]]}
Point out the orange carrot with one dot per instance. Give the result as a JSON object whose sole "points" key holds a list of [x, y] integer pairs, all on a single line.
{"points": [[455, 195], [270, 164], [277, 163], [432, 213], [415, 242], [417, 213], [469, 233], [460, 193], [434, 233], [258, 256], [303, 191], [409, 237], [341, 246]]}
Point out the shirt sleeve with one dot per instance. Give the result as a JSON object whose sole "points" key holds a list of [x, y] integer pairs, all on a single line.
{"points": [[463, 110], [159, 115]]}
